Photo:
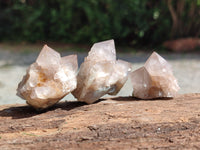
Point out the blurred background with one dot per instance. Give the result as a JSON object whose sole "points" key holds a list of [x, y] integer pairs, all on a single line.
{"points": [[172, 28]]}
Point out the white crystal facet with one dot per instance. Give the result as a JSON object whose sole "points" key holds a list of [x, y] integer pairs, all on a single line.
{"points": [[100, 73], [49, 79], [154, 80], [102, 51]]}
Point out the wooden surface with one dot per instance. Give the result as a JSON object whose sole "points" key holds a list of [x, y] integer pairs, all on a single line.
{"points": [[117, 123]]}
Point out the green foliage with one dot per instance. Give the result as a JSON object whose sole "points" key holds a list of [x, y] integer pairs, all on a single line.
{"points": [[185, 18], [129, 22]]}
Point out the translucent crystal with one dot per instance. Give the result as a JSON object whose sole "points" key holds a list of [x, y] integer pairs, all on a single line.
{"points": [[100, 73], [154, 80], [102, 51], [49, 79]]}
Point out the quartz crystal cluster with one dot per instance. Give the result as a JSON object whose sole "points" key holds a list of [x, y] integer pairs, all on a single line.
{"points": [[155, 79], [49, 79], [52, 77], [101, 73]]}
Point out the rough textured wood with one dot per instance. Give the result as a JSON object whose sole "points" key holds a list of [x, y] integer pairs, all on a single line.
{"points": [[117, 123]]}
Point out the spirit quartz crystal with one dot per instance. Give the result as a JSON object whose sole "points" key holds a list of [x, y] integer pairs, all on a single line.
{"points": [[154, 80], [101, 73], [49, 79]]}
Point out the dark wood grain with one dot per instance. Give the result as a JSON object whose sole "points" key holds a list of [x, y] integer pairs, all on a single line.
{"points": [[116, 123]]}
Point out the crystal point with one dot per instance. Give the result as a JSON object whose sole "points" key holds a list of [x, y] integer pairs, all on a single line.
{"points": [[48, 57], [100, 73], [102, 51], [49, 79], [154, 80]]}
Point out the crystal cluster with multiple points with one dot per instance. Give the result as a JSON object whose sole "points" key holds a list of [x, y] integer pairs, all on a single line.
{"points": [[154, 80], [100, 73], [49, 79], [52, 77]]}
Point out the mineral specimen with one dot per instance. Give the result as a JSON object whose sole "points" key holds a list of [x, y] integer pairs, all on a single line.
{"points": [[100, 73], [155, 79], [49, 79]]}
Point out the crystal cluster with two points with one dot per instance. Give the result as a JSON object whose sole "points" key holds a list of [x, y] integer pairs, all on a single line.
{"points": [[49, 79], [101, 73], [155, 79]]}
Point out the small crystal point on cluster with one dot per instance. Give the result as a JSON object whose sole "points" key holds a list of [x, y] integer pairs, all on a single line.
{"points": [[155, 79], [49, 79], [100, 73]]}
